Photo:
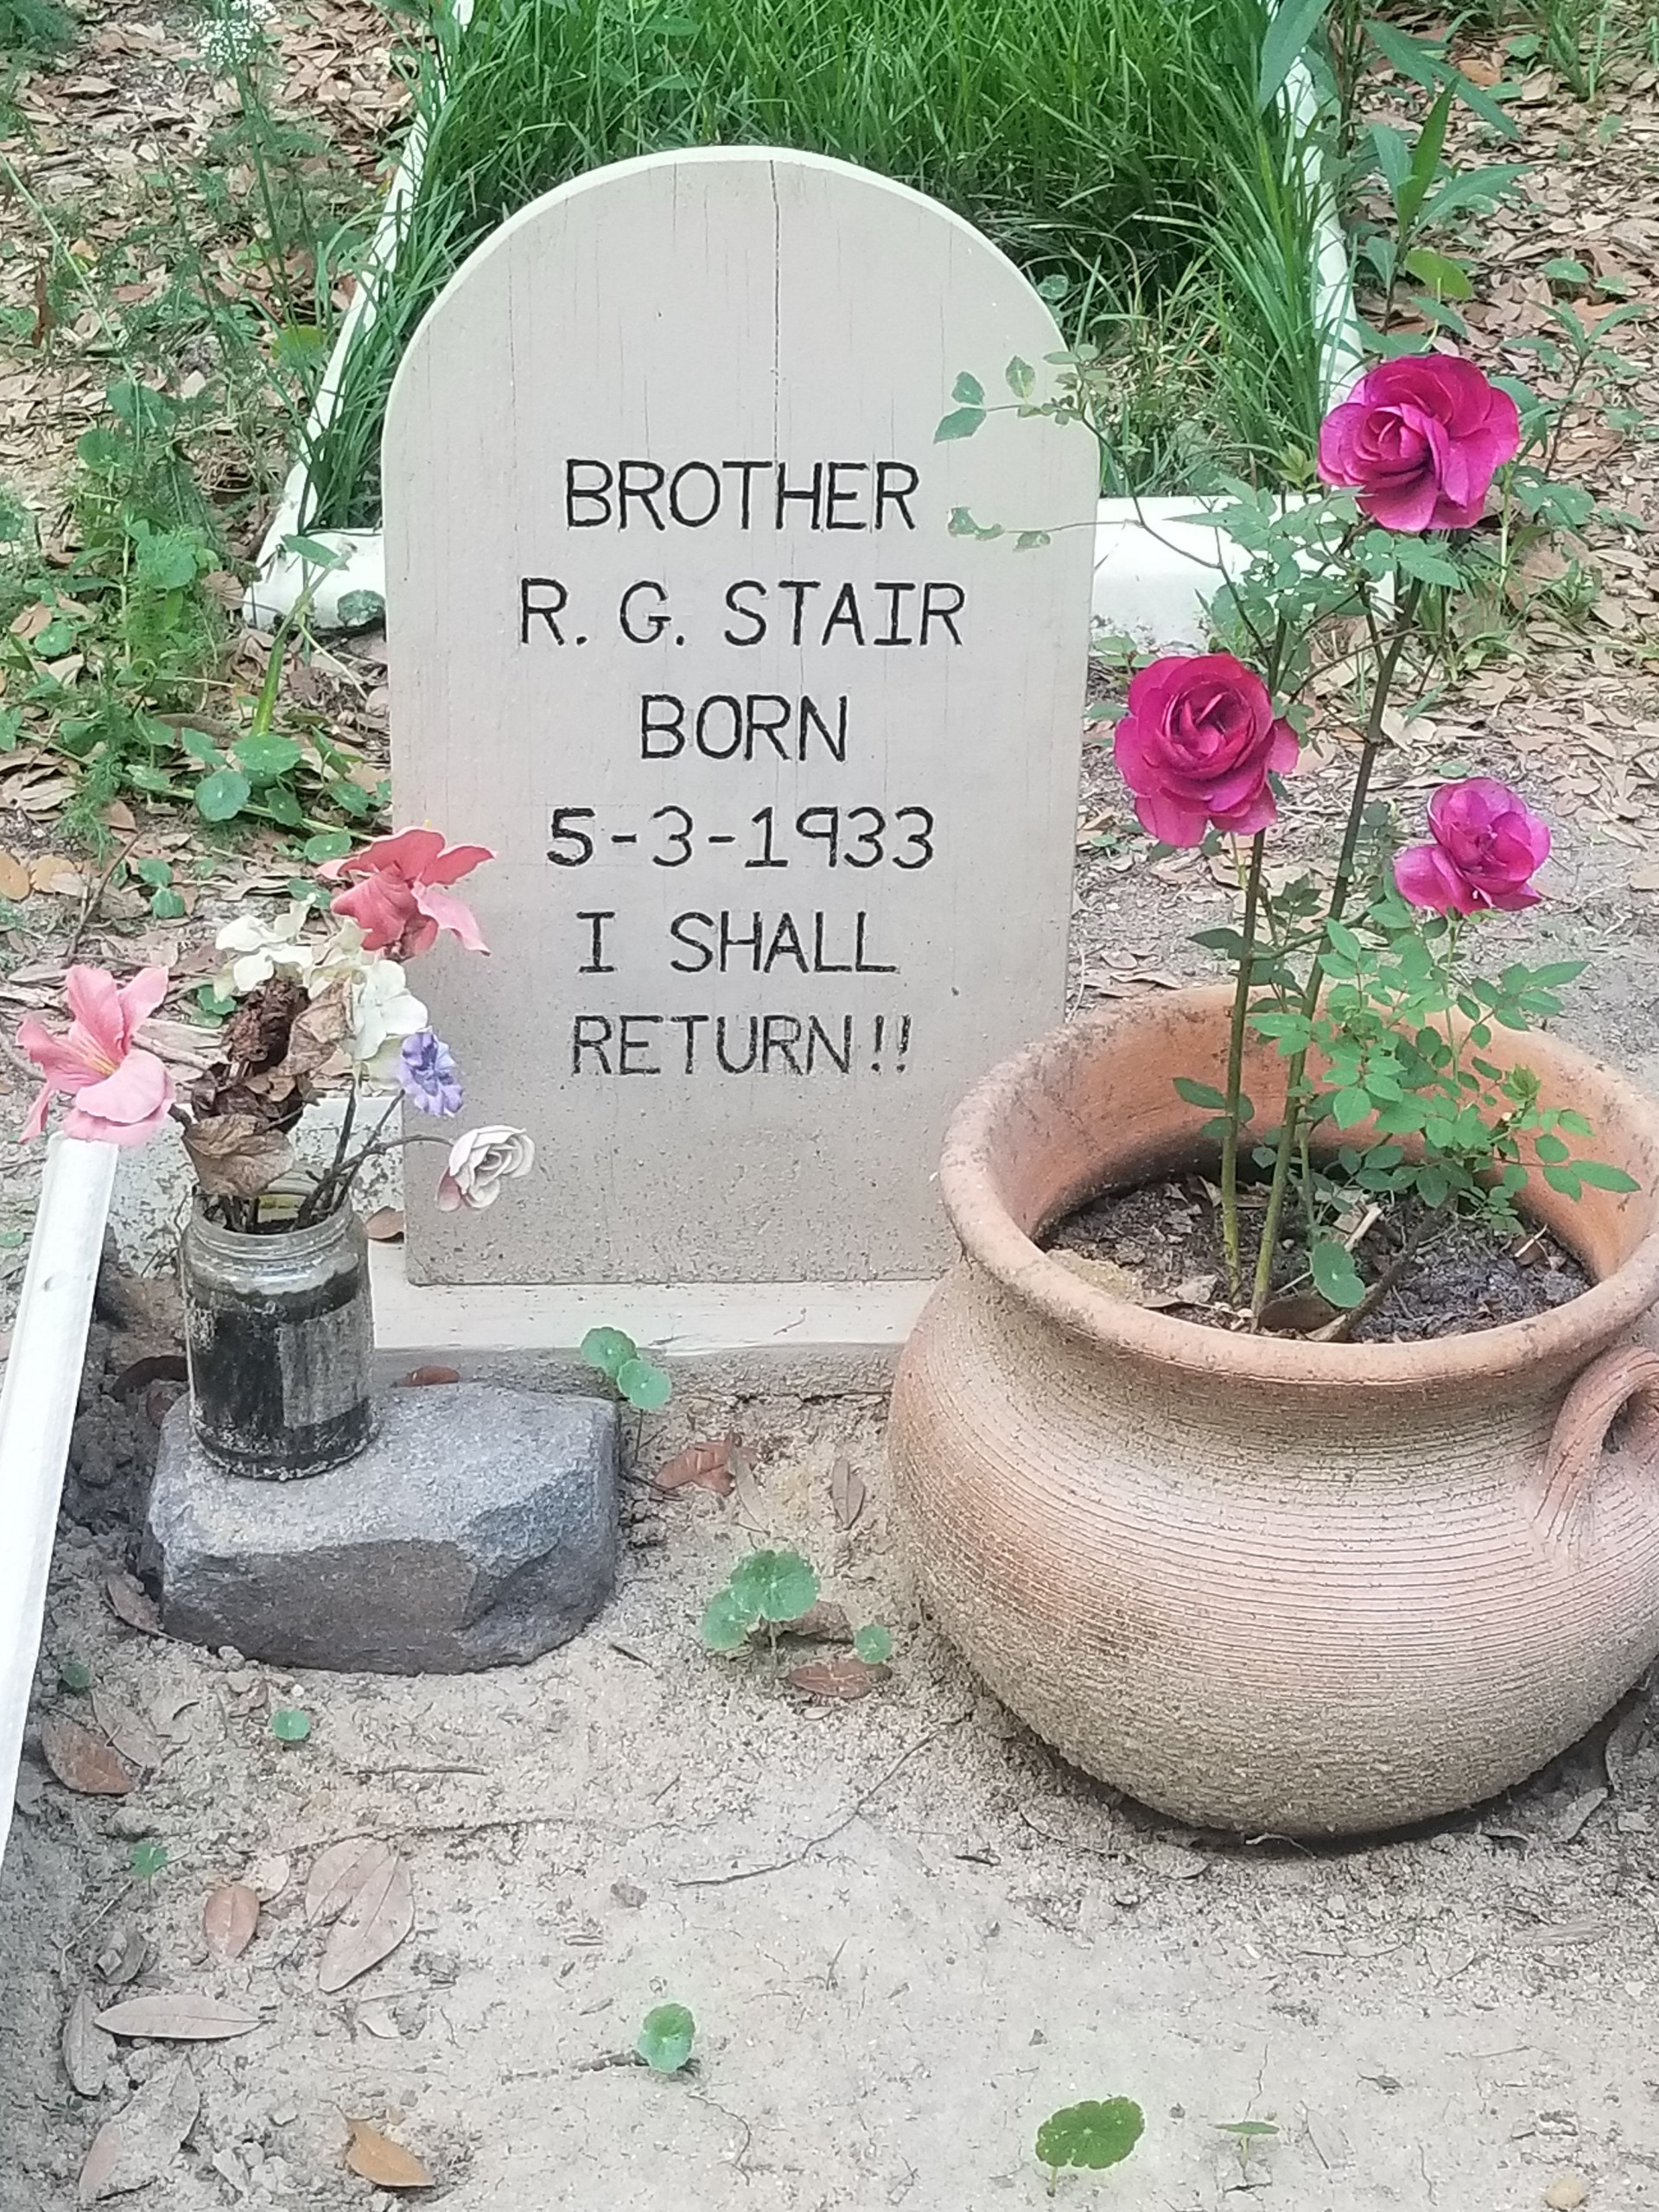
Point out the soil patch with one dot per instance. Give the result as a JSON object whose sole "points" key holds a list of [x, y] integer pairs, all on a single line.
{"points": [[1160, 1245]]}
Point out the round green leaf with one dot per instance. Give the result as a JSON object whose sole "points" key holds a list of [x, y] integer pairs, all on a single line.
{"points": [[222, 796], [289, 1725], [329, 845], [146, 1857], [778, 1586], [265, 756], [359, 609], [873, 1644], [1093, 2135], [166, 905], [75, 1675], [1335, 1274], [608, 1350], [665, 2038], [726, 1622], [644, 1384]]}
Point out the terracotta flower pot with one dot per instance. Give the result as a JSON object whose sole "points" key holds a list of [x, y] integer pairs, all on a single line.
{"points": [[1258, 1583]]}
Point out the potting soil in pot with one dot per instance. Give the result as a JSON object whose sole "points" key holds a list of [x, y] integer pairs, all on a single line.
{"points": [[1160, 1245]]}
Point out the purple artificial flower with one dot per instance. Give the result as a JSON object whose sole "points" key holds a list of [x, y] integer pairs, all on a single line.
{"points": [[427, 1075]]}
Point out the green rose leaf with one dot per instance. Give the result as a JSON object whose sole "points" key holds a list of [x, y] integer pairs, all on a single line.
{"points": [[1200, 1094], [1095, 2135], [961, 422], [166, 905], [608, 1350], [644, 1384], [968, 390], [1022, 378], [665, 2038], [776, 1585], [1600, 1177]]}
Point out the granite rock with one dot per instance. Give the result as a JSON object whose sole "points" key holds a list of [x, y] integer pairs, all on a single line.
{"points": [[478, 1529]]}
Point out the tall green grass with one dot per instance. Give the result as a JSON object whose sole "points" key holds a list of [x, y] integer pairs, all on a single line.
{"points": [[1111, 147]]}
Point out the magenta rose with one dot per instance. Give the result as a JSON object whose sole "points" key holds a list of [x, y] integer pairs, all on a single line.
{"points": [[1196, 745], [1487, 845], [1419, 441]]}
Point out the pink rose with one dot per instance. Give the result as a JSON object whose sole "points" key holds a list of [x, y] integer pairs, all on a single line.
{"points": [[1196, 745], [1419, 441], [1487, 847]]}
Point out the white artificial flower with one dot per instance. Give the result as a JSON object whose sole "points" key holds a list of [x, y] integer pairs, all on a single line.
{"points": [[384, 1012], [480, 1160], [263, 949]]}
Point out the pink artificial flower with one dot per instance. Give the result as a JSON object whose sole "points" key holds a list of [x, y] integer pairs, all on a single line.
{"points": [[1419, 440], [1196, 745], [1487, 847], [402, 902], [121, 1095]]}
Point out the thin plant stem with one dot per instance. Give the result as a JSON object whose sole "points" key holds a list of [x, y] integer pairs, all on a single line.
{"points": [[1236, 1067], [1405, 615]]}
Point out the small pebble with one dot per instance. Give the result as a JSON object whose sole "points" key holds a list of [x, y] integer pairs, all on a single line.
{"points": [[1567, 2192]]}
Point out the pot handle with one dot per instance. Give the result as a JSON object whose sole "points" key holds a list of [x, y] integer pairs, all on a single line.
{"points": [[1592, 1406]]}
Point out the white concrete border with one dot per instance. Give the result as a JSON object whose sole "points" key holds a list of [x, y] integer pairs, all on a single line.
{"points": [[37, 1411], [1155, 572]]}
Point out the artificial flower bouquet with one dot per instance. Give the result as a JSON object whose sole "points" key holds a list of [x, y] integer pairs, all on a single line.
{"points": [[314, 1011]]}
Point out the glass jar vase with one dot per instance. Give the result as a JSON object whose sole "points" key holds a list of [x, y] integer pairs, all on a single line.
{"points": [[279, 1337]]}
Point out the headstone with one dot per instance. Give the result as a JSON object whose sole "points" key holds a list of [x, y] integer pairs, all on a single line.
{"points": [[780, 770]]}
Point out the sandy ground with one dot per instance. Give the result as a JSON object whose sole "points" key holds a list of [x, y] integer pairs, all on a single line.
{"points": [[907, 1932]]}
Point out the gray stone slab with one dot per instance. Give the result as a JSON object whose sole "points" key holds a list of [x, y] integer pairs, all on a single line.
{"points": [[479, 1528]]}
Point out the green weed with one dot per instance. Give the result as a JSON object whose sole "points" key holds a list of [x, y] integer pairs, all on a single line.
{"points": [[1113, 148]]}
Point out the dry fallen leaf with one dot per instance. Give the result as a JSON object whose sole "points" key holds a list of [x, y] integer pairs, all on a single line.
{"points": [[87, 2048], [130, 1601], [1646, 879], [81, 1762], [229, 1919], [703, 1466], [376, 2020], [750, 1503], [844, 1678], [384, 2163], [52, 873], [140, 2143], [268, 1878], [131, 1735], [176, 2016], [420, 1378], [122, 1960], [824, 1622], [338, 1874], [386, 1227], [846, 1491], [374, 1922], [14, 881]]}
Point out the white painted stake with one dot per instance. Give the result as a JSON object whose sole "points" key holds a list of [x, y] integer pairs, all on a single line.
{"points": [[37, 1410]]}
